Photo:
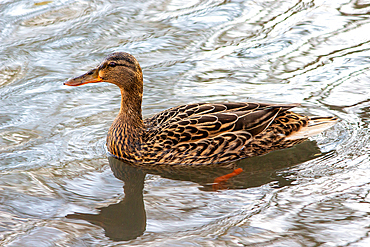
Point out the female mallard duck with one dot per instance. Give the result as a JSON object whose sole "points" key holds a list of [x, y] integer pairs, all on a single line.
{"points": [[195, 134]]}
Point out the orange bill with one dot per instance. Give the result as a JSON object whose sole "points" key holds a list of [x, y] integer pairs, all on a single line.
{"points": [[90, 77]]}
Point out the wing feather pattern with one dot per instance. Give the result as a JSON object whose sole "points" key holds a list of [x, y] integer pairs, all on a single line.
{"points": [[199, 134]]}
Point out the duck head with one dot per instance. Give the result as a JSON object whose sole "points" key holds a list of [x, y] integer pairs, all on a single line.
{"points": [[119, 68]]}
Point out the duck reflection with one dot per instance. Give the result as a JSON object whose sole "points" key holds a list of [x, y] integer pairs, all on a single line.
{"points": [[126, 220]]}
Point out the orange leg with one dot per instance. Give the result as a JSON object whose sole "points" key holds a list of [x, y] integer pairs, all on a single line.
{"points": [[219, 182]]}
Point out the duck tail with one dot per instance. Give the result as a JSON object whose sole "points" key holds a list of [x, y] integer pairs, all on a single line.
{"points": [[315, 126]]}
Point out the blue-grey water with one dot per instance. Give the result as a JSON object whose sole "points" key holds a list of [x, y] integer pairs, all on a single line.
{"points": [[59, 188]]}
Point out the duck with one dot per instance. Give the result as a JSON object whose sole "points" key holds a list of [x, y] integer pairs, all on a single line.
{"points": [[195, 134]]}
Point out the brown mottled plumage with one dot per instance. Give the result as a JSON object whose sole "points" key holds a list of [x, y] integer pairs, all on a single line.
{"points": [[194, 134]]}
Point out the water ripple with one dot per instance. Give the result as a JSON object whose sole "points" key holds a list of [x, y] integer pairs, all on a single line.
{"points": [[52, 138]]}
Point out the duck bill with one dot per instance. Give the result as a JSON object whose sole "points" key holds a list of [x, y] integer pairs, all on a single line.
{"points": [[90, 77]]}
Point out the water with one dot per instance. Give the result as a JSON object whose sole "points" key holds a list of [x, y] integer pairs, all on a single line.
{"points": [[57, 186]]}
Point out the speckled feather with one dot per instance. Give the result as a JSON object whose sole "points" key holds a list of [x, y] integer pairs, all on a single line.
{"points": [[194, 134], [206, 134]]}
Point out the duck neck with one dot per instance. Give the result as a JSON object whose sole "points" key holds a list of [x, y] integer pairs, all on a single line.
{"points": [[130, 112], [125, 134]]}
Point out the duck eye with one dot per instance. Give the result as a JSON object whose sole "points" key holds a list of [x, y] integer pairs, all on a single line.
{"points": [[112, 64]]}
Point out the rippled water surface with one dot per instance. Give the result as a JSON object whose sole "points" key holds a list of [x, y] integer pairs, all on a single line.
{"points": [[59, 188]]}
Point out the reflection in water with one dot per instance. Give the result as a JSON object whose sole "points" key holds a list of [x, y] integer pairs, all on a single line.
{"points": [[52, 156], [126, 220], [256, 171]]}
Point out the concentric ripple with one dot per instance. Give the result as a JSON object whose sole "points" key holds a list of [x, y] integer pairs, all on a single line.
{"points": [[58, 188]]}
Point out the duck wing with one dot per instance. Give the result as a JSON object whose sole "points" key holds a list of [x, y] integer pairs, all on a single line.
{"points": [[175, 114], [212, 133]]}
